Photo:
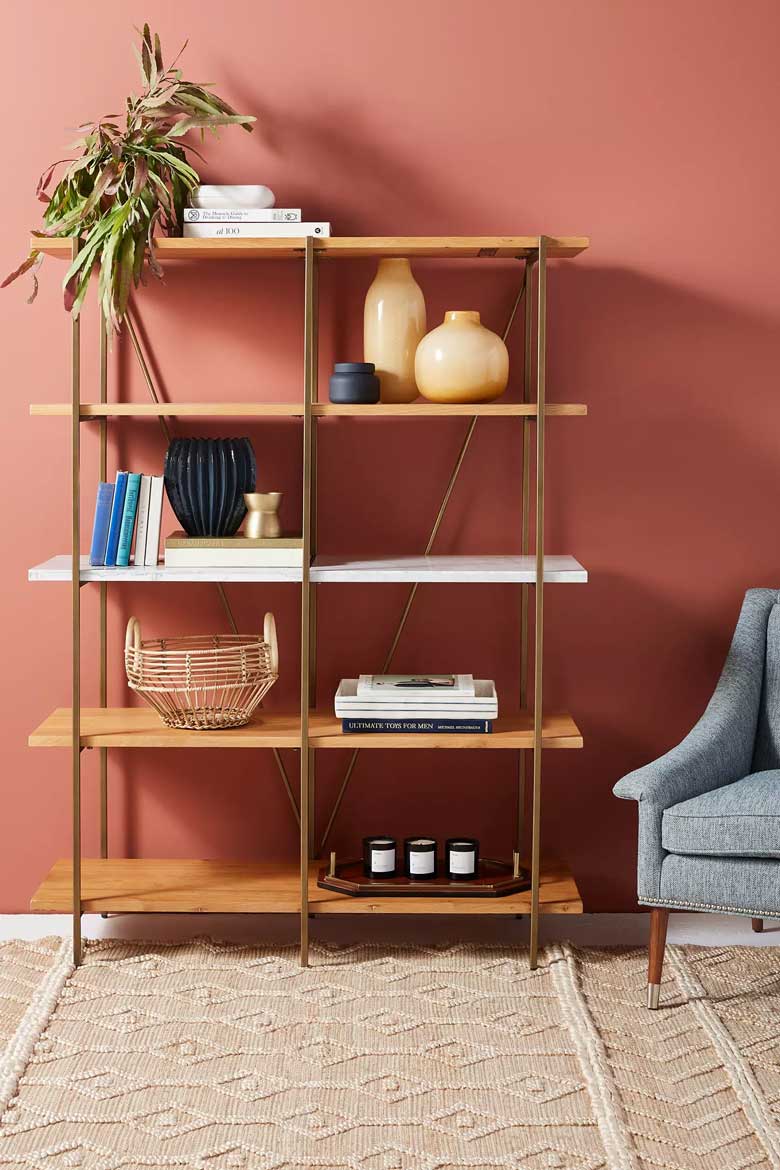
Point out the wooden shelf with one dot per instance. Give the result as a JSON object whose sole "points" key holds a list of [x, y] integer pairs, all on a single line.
{"points": [[235, 887], [93, 410], [448, 410], [339, 569], [140, 727], [347, 247]]}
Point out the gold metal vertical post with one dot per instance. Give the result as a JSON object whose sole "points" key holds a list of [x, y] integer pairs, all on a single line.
{"points": [[313, 394], [308, 371], [75, 594], [525, 544], [103, 600], [541, 339]]}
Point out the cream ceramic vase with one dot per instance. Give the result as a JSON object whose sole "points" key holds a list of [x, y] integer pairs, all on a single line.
{"points": [[461, 361], [393, 326]]}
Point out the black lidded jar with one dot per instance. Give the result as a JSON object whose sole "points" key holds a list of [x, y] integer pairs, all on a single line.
{"points": [[461, 858], [379, 857], [420, 858], [354, 382]]}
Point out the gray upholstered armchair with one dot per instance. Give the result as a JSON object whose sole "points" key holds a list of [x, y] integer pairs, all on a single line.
{"points": [[709, 810]]}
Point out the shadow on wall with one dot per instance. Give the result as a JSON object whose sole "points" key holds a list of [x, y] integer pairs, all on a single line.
{"points": [[340, 162]]}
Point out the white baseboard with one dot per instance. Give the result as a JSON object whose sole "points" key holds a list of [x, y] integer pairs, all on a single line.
{"points": [[584, 929]]}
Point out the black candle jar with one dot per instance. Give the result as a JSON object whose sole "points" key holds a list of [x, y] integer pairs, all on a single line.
{"points": [[379, 857], [420, 858], [461, 858], [354, 382]]}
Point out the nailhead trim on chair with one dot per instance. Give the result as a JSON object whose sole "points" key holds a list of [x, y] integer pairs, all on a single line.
{"points": [[680, 905]]}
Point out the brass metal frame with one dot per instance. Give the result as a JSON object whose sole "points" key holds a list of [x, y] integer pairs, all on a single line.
{"points": [[103, 597], [536, 806], [304, 810], [75, 597], [309, 389]]}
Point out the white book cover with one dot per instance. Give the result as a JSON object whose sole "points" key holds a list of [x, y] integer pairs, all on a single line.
{"points": [[253, 231], [242, 214], [142, 521], [154, 522], [236, 558], [484, 705], [422, 688]]}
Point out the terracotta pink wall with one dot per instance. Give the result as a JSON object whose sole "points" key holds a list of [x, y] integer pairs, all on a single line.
{"points": [[650, 127]]}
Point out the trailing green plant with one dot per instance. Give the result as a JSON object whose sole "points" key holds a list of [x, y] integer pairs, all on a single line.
{"points": [[129, 183]]}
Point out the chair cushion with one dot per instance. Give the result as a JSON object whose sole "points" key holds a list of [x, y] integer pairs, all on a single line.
{"points": [[737, 820]]}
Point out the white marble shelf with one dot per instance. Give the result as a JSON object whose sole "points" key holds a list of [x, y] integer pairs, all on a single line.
{"points": [[462, 569], [58, 569], [326, 570]]}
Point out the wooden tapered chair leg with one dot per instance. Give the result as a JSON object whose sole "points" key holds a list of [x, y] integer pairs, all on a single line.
{"points": [[758, 925], [659, 920]]}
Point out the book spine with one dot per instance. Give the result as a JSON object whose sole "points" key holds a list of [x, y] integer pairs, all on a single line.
{"points": [[253, 231], [143, 519], [105, 495], [128, 520], [117, 509], [242, 215], [418, 726], [154, 523]]}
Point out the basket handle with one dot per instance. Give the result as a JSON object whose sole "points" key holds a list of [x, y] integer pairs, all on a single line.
{"points": [[269, 636], [133, 635]]}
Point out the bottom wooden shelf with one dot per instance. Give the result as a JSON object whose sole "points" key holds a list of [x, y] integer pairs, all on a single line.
{"points": [[248, 887]]}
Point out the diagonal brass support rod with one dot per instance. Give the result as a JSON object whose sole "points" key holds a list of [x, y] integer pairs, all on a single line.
{"points": [[413, 591], [147, 376]]}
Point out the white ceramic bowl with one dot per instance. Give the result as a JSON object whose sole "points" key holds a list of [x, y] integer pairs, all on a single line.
{"points": [[211, 195]]}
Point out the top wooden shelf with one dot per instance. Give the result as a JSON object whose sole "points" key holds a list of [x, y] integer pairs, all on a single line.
{"points": [[348, 247]]}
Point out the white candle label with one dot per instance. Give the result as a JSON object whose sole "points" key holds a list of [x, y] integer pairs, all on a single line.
{"points": [[382, 860], [421, 862], [461, 861]]}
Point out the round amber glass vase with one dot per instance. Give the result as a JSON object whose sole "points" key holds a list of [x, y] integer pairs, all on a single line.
{"points": [[461, 361], [393, 326]]}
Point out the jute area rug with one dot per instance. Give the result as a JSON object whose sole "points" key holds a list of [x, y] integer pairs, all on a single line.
{"points": [[210, 1057]]}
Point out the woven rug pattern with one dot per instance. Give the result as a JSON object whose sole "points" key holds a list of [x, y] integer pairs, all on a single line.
{"points": [[211, 1056]]}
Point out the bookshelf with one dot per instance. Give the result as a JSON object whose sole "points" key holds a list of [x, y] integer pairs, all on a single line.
{"points": [[110, 884]]}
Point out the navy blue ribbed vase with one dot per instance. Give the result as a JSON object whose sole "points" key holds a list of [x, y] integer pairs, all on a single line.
{"points": [[205, 480]]}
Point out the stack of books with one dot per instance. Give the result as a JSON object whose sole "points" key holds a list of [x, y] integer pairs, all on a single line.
{"points": [[235, 552], [128, 515], [433, 703], [248, 212]]}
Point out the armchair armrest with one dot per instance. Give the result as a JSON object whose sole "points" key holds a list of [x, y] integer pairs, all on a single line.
{"points": [[717, 751]]}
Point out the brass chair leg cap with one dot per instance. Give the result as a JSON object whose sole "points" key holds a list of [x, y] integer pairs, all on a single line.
{"points": [[653, 995]]}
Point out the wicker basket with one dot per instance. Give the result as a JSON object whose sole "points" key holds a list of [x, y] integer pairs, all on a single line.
{"points": [[203, 683]]}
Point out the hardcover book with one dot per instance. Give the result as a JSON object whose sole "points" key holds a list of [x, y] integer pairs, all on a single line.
{"points": [[105, 496], [128, 520], [253, 231], [484, 704], [419, 687], [142, 521], [242, 214], [117, 509], [181, 540], [418, 726], [235, 558], [154, 524]]}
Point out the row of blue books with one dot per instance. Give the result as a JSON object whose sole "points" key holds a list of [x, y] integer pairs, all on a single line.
{"points": [[128, 517]]}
